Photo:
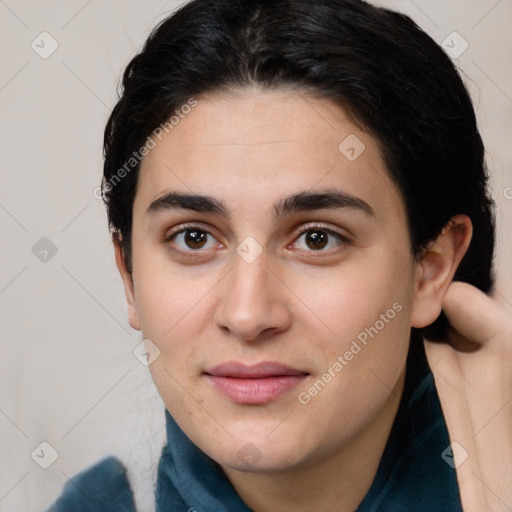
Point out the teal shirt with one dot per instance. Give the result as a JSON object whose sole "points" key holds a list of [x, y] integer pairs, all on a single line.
{"points": [[412, 475]]}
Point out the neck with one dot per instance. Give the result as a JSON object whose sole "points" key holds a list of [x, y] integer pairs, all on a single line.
{"points": [[337, 482]]}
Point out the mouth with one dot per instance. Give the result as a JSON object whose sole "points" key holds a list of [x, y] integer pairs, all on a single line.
{"points": [[254, 384]]}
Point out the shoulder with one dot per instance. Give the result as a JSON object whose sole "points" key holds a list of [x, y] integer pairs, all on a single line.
{"points": [[103, 486]]}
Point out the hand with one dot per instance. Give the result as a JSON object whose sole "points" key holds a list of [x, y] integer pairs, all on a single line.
{"points": [[473, 375]]}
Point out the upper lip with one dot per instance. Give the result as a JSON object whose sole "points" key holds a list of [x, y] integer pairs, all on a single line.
{"points": [[256, 371]]}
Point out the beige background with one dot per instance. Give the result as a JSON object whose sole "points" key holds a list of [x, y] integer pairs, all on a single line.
{"points": [[68, 375]]}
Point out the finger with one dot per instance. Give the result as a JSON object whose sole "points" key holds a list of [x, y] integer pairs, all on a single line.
{"points": [[471, 312]]}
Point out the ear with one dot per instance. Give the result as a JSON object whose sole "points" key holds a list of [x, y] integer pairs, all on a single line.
{"points": [[436, 269], [129, 291]]}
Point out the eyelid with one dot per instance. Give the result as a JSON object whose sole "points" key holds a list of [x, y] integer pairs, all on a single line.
{"points": [[342, 242], [168, 237], [188, 226], [321, 227], [298, 233]]}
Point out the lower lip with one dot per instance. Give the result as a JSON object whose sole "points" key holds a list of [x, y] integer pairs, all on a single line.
{"points": [[254, 391]]}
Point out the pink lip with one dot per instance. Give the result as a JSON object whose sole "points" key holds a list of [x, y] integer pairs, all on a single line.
{"points": [[256, 384]]}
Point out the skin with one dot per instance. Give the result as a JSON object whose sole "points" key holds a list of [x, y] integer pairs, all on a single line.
{"points": [[294, 304], [473, 375]]}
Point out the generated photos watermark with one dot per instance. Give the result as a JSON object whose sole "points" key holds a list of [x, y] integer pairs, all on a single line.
{"points": [[144, 150], [357, 345]]}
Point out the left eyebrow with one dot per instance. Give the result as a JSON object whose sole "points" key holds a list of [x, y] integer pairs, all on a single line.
{"points": [[328, 199]]}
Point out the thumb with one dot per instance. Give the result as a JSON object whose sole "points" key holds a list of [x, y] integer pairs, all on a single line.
{"points": [[471, 312]]}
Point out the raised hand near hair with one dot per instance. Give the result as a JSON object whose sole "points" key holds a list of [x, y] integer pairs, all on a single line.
{"points": [[473, 375]]}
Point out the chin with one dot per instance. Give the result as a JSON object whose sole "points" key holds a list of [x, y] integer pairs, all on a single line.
{"points": [[260, 454]]}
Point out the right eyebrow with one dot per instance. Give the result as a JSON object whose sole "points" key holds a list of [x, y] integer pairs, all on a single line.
{"points": [[195, 202]]}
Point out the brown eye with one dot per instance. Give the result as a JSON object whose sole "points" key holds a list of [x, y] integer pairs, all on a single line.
{"points": [[195, 239], [192, 239], [316, 239]]}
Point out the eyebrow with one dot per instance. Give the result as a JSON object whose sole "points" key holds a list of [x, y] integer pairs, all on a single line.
{"points": [[330, 199]]}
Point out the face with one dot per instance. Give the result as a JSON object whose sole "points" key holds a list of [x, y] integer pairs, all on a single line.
{"points": [[281, 299]]}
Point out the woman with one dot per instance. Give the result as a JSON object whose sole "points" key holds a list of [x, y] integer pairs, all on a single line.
{"points": [[297, 196]]}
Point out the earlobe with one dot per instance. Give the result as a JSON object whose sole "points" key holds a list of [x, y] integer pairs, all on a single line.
{"points": [[436, 269], [126, 275]]}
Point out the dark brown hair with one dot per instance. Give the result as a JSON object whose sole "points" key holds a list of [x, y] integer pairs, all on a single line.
{"points": [[390, 76]]}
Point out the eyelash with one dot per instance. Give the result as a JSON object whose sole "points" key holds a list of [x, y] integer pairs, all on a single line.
{"points": [[343, 240], [311, 227]]}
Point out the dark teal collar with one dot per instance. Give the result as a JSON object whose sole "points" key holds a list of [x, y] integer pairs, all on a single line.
{"points": [[188, 479]]}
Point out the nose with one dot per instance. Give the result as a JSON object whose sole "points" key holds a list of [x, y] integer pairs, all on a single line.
{"points": [[252, 304]]}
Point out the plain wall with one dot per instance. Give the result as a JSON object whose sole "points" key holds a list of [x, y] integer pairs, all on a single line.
{"points": [[68, 375]]}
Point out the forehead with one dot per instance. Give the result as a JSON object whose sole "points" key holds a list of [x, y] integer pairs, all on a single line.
{"points": [[252, 146]]}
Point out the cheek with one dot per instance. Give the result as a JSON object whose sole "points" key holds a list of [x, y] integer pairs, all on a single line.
{"points": [[365, 313], [350, 300], [173, 316], [361, 365], [169, 299]]}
